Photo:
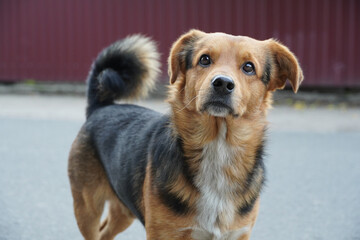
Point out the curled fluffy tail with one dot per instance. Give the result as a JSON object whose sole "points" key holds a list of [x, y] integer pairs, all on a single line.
{"points": [[124, 70]]}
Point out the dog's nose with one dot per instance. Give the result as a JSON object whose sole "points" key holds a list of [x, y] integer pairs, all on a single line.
{"points": [[223, 84]]}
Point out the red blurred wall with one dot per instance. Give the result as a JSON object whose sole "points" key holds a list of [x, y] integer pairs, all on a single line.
{"points": [[56, 40]]}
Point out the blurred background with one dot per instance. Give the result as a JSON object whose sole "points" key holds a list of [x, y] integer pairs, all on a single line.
{"points": [[57, 40], [47, 47]]}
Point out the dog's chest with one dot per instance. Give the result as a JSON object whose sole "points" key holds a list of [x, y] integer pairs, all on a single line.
{"points": [[215, 206]]}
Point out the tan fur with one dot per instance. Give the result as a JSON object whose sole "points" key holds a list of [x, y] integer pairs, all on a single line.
{"points": [[197, 129], [147, 53]]}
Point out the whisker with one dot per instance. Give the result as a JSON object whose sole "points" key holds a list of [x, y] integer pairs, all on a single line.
{"points": [[188, 103], [182, 90]]}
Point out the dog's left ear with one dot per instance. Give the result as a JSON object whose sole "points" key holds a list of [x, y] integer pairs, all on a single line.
{"points": [[181, 54], [286, 67]]}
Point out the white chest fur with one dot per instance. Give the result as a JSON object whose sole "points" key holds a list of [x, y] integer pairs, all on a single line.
{"points": [[216, 192]]}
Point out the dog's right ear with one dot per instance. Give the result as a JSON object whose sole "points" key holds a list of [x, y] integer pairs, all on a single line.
{"points": [[181, 52]]}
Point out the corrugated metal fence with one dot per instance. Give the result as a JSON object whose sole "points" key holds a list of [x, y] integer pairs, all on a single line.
{"points": [[57, 40]]}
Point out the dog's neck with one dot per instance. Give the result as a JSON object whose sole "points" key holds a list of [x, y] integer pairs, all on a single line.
{"points": [[197, 130]]}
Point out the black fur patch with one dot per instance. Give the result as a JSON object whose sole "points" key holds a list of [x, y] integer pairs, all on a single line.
{"points": [[253, 187], [174, 202], [168, 163], [267, 72], [247, 207], [186, 54], [259, 164], [189, 58]]}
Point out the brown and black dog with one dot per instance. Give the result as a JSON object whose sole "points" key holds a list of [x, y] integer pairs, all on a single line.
{"points": [[195, 173]]}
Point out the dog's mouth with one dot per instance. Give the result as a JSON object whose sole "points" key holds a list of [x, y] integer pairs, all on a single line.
{"points": [[218, 109]]}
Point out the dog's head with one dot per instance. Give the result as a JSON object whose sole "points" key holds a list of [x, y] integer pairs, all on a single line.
{"points": [[224, 75]]}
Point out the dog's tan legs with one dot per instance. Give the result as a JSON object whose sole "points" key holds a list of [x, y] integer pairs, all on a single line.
{"points": [[88, 209], [118, 219]]}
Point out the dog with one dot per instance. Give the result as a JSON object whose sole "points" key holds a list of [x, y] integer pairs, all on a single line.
{"points": [[195, 173]]}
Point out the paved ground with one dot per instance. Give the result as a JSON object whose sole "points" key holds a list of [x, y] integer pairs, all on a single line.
{"points": [[313, 167]]}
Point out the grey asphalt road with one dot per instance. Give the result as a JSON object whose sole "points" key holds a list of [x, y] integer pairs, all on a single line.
{"points": [[313, 171]]}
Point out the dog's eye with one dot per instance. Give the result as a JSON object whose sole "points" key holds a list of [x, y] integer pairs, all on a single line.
{"points": [[248, 68], [205, 60]]}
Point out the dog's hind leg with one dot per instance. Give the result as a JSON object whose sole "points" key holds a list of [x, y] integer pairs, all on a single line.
{"points": [[89, 186], [119, 218], [88, 209]]}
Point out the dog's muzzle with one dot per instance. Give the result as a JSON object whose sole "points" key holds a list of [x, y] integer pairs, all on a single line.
{"points": [[219, 103]]}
